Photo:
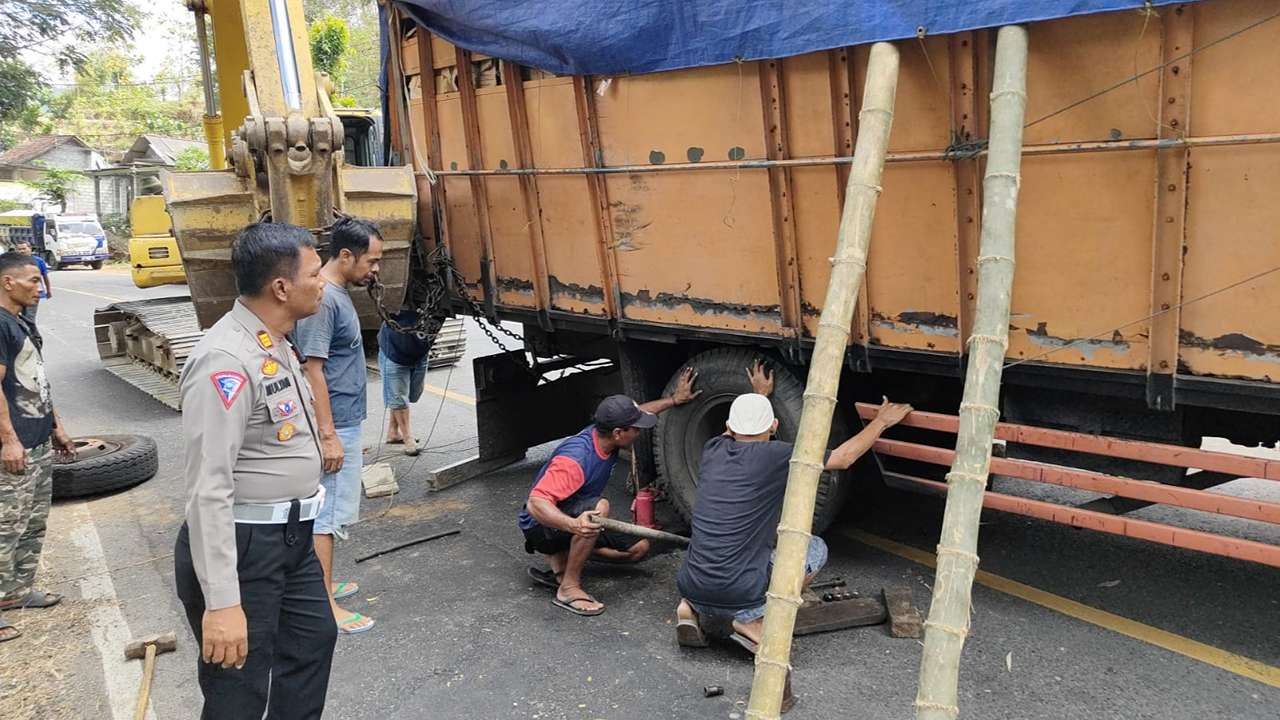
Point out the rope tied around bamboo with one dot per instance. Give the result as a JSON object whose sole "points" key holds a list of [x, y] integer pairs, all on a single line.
{"points": [[957, 561], [848, 263]]}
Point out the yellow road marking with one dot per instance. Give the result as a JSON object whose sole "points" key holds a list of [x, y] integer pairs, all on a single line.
{"points": [[454, 396], [62, 289], [1208, 654]]}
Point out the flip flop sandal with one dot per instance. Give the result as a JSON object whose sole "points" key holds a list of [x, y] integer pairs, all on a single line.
{"points": [[354, 618], [745, 642], [5, 625], [35, 599], [344, 590], [545, 578], [689, 634], [397, 441], [569, 605]]}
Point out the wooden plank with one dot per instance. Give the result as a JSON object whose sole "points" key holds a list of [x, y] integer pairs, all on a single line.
{"points": [[464, 470], [434, 160], [1113, 524], [964, 114], [1170, 229], [479, 191], [519, 113], [904, 619], [844, 120], [1172, 455], [773, 100], [593, 156], [1153, 492]]}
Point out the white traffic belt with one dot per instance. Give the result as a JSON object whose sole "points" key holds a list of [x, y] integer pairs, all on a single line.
{"points": [[278, 513]]}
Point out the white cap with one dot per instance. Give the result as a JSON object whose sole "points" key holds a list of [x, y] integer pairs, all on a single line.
{"points": [[750, 414]]}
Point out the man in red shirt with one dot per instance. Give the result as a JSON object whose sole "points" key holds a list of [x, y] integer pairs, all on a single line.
{"points": [[555, 518]]}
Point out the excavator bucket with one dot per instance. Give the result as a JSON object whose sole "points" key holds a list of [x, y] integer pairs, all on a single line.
{"points": [[210, 208]]}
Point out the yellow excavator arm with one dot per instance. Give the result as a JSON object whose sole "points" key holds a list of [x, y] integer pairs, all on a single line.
{"points": [[277, 153]]}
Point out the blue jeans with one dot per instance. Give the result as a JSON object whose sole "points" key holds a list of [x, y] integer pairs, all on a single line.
{"points": [[814, 560], [342, 489], [401, 384]]}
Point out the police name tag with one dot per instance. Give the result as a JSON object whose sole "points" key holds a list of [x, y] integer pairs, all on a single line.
{"points": [[276, 386]]}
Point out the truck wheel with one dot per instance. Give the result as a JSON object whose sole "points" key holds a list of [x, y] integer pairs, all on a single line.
{"points": [[682, 431], [105, 463], [96, 264]]}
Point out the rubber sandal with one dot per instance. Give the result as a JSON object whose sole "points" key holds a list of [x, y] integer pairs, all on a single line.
{"points": [[745, 642], [689, 634], [32, 600], [354, 618], [344, 590], [569, 605], [545, 578], [397, 441], [5, 637]]}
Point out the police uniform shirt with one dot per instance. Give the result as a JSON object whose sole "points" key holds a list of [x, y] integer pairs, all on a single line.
{"points": [[249, 428]]}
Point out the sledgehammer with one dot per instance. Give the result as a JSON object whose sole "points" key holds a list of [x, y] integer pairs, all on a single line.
{"points": [[147, 649]]}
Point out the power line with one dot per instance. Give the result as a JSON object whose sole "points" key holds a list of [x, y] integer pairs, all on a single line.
{"points": [[141, 83]]}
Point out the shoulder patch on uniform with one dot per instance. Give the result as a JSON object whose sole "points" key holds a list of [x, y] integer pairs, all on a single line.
{"points": [[229, 384]]}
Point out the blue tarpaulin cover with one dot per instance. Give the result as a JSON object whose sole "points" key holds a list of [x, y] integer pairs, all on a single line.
{"points": [[613, 37]]}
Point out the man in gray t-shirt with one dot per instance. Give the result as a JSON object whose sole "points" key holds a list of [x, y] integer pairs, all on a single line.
{"points": [[330, 343]]}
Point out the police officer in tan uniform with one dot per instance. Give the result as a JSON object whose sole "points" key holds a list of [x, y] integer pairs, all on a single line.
{"points": [[245, 566]]}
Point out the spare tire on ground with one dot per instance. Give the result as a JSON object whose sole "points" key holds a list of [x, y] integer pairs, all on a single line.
{"points": [[682, 431], [104, 463]]}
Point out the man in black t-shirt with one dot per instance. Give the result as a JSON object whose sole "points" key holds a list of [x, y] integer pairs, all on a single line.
{"points": [[27, 423], [741, 483]]}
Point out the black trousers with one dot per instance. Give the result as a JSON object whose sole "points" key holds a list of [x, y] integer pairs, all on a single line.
{"points": [[291, 628]]}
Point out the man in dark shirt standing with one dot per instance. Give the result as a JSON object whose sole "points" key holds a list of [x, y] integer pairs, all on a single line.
{"points": [[402, 362], [27, 424], [741, 483]]}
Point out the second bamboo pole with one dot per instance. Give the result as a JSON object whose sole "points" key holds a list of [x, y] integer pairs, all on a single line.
{"points": [[831, 344], [948, 623]]}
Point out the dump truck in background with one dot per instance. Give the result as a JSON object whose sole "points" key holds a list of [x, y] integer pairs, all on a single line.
{"points": [[146, 342], [639, 223]]}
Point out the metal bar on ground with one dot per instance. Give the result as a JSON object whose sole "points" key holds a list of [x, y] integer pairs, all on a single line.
{"points": [[1117, 525], [411, 543], [1154, 492], [1144, 451]]}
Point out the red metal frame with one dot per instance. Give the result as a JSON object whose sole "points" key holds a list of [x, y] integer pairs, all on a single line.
{"points": [[1153, 492]]}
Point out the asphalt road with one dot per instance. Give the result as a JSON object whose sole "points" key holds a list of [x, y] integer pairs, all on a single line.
{"points": [[1070, 624]]}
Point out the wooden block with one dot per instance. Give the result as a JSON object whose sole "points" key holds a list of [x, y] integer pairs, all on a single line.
{"points": [[828, 616], [378, 480], [904, 619], [464, 470]]}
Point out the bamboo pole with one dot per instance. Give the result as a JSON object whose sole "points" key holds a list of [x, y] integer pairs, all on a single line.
{"points": [[948, 622], [831, 344]]}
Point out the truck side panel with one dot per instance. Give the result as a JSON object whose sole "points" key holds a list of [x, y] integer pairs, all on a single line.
{"points": [[704, 247]]}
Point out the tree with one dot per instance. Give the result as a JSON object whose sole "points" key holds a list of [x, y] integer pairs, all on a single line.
{"points": [[330, 46], [110, 108], [358, 86], [59, 28], [56, 186], [193, 158]]}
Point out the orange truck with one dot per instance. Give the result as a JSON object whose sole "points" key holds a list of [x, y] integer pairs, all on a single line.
{"points": [[640, 223]]}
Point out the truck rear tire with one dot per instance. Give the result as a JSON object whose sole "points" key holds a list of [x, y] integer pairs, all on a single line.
{"points": [[682, 431], [103, 464]]}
